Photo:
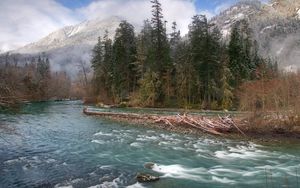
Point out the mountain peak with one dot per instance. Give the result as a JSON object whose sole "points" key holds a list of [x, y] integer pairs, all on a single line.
{"points": [[84, 33]]}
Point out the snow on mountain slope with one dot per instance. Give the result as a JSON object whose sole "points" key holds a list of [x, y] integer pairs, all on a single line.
{"points": [[70, 45], [85, 33], [242, 10], [275, 26]]}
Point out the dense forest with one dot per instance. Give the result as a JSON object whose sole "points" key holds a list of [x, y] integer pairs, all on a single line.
{"points": [[156, 68]]}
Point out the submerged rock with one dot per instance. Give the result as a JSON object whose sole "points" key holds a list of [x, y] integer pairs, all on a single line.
{"points": [[149, 165], [143, 178]]}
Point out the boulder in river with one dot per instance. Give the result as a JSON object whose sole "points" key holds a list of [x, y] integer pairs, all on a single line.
{"points": [[149, 165], [144, 178]]}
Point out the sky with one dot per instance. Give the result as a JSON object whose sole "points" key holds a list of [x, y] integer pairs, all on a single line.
{"points": [[26, 21]]}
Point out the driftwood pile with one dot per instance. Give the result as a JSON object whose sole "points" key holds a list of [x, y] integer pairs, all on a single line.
{"points": [[216, 125]]}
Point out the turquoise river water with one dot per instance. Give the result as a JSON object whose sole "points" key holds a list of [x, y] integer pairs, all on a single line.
{"points": [[55, 145]]}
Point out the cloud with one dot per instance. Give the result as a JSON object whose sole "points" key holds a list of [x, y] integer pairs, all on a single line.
{"points": [[209, 14], [25, 21], [135, 11]]}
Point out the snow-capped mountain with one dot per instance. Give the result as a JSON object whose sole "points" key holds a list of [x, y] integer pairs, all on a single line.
{"points": [[254, 11], [242, 10], [276, 27], [68, 46], [85, 33]]}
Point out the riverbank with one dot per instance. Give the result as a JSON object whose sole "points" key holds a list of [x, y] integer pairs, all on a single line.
{"points": [[242, 126]]}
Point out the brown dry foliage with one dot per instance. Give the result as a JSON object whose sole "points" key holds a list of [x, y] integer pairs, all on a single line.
{"points": [[273, 103], [276, 95]]}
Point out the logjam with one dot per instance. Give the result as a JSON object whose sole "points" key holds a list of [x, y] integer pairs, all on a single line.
{"points": [[215, 126]]}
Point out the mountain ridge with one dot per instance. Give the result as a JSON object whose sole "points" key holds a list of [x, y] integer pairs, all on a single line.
{"points": [[85, 32]]}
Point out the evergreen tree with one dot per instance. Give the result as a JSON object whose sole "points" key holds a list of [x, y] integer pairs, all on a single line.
{"points": [[44, 76], [97, 65], [148, 85], [124, 58], [186, 76], [197, 38], [240, 47], [144, 44], [160, 52], [108, 63], [226, 94], [205, 48], [214, 65], [174, 40]]}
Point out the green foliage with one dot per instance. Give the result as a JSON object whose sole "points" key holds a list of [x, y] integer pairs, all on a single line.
{"points": [[160, 52], [124, 58], [160, 69], [206, 50], [185, 76], [149, 86], [226, 89], [97, 65], [44, 75], [241, 63]]}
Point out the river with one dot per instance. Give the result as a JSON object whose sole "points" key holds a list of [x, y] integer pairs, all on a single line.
{"points": [[55, 145]]}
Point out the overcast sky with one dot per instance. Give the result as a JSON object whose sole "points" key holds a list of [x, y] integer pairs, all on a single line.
{"points": [[26, 21]]}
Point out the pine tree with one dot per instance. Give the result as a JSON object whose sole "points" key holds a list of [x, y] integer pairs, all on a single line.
{"points": [[124, 58], [108, 63], [234, 55], [160, 52], [144, 44], [213, 65], [44, 76], [174, 40], [186, 76], [240, 48], [205, 49], [97, 65], [196, 39], [226, 95], [148, 85]]}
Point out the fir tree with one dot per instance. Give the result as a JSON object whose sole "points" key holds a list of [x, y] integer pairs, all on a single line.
{"points": [[108, 63], [124, 58], [186, 76], [144, 45], [240, 47], [44, 76], [97, 65], [160, 52], [174, 40], [205, 48]]}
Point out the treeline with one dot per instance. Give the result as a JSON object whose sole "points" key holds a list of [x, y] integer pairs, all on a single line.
{"points": [[156, 68], [32, 81]]}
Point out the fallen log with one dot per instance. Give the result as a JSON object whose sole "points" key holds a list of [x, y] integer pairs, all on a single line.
{"points": [[85, 111], [214, 126]]}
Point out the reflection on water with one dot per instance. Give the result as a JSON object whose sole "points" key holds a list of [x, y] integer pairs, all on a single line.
{"points": [[55, 145]]}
